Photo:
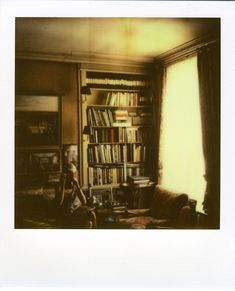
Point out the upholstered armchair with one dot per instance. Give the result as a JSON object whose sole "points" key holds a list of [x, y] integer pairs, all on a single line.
{"points": [[167, 210]]}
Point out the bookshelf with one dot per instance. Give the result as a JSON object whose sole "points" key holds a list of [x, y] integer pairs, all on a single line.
{"points": [[37, 140], [117, 116]]}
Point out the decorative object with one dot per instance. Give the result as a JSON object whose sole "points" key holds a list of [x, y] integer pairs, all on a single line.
{"points": [[70, 154]]}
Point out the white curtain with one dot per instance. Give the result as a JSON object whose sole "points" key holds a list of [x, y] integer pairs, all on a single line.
{"points": [[181, 154]]}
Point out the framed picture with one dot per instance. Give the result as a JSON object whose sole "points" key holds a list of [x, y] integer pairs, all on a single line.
{"points": [[37, 120], [44, 161], [37, 103], [36, 128], [70, 154]]}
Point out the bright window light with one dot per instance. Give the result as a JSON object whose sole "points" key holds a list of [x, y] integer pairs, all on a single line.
{"points": [[181, 153]]}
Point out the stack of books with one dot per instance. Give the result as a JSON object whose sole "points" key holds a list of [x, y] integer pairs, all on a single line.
{"points": [[119, 208], [121, 118], [138, 180]]}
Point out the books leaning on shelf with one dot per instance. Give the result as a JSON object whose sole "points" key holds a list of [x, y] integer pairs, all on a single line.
{"points": [[118, 134], [138, 180], [116, 153], [122, 99], [106, 175], [99, 117]]}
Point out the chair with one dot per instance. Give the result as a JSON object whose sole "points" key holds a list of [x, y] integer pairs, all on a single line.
{"points": [[167, 210], [44, 212]]}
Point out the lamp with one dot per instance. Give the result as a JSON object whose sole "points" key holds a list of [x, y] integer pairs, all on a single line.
{"points": [[85, 90]]}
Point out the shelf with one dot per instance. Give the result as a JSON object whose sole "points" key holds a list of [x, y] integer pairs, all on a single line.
{"points": [[115, 164], [117, 87], [93, 87], [131, 126], [97, 143], [116, 106], [105, 185]]}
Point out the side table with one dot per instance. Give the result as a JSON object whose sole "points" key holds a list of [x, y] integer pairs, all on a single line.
{"points": [[109, 218], [133, 192]]}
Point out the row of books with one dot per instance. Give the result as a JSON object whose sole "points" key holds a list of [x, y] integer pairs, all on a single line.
{"points": [[107, 117], [104, 175], [99, 117], [122, 99], [119, 134], [114, 154], [116, 82]]}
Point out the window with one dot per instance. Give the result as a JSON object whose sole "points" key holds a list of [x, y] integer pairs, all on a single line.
{"points": [[181, 154]]}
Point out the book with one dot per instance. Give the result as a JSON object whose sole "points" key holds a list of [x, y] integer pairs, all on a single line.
{"points": [[138, 179], [124, 124], [120, 115]]}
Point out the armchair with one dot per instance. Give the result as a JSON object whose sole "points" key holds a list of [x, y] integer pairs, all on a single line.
{"points": [[167, 210]]}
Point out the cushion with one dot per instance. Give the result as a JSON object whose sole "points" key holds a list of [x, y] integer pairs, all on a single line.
{"points": [[167, 204]]}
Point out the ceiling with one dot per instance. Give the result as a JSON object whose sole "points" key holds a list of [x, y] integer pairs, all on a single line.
{"points": [[119, 37]]}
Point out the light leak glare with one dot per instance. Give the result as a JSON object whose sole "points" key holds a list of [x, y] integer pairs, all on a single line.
{"points": [[181, 138]]}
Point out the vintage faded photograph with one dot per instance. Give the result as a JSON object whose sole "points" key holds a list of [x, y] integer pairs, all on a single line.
{"points": [[117, 123]]}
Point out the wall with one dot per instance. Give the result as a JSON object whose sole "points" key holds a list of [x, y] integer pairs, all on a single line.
{"points": [[52, 78]]}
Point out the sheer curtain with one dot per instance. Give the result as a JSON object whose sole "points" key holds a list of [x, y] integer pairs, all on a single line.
{"points": [[181, 153]]}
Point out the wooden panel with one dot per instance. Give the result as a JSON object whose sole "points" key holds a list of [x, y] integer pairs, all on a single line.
{"points": [[52, 78]]}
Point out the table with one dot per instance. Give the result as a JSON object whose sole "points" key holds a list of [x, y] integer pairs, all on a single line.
{"points": [[134, 190], [108, 218]]}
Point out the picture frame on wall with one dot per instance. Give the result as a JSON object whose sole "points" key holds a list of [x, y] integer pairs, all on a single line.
{"points": [[37, 120], [44, 161]]}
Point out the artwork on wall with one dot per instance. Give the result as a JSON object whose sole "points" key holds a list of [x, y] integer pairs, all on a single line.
{"points": [[36, 128], [37, 120], [37, 103], [44, 161]]}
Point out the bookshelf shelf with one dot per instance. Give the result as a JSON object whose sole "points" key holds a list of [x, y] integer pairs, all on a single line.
{"points": [[116, 87], [117, 115], [121, 143], [130, 164], [116, 107], [104, 88], [120, 126]]}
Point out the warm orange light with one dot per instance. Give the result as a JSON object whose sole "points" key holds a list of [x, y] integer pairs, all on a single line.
{"points": [[181, 138]]}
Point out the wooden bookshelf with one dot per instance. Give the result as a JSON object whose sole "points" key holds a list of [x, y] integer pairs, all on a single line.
{"points": [[118, 114]]}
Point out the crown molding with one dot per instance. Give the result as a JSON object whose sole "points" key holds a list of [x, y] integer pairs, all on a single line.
{"points": [[100, 59], [186, 49]]}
